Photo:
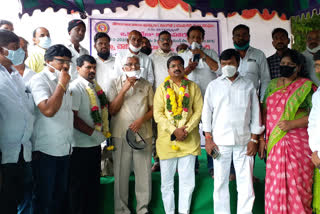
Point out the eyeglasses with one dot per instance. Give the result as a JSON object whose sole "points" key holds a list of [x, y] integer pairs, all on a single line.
{"points": [[131, 65], [179, 66], [63, 61]]}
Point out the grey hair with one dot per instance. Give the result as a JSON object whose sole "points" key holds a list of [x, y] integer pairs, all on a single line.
{"points": [[124, 59]]}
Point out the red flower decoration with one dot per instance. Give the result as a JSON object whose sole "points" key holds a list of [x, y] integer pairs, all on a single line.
{"points": [[187, 95], [98, 124], [184, 87], [95, 108], [168, 96], [99, 92], [185, 109]]}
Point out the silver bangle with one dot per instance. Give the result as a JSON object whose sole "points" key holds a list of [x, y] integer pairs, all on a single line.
{"points": [[255, 141]]}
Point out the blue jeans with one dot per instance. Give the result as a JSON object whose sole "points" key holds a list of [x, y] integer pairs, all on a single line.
{"points": [[50, 175]]}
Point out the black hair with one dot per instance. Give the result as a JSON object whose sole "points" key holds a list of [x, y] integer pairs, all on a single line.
{"points": [[57, 50], [241, 26], [279, 30], [164, 32], [7, 37], [101, 35], [85, 58], [297, 58], [5, 22], [174, 58], [198, 28], [316, 56], [229, 53]]}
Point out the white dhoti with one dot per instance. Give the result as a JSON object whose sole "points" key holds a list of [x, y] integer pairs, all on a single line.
{"points": [[243, 165], [186, 172]]}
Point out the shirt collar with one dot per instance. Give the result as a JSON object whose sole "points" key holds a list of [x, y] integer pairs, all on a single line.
{"points": [[70, 44], [51, 75], [85, 82], [105, 61], [226, 78], [162, 53], [129, 52]]}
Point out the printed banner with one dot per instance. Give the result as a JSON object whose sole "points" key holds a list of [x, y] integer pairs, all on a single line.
{"points": [[118, 31]]}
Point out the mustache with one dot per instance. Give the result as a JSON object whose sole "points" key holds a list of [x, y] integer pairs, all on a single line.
{"points": [[178, 70]]}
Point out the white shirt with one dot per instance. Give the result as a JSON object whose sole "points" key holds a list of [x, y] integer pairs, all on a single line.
{"points": [[310, 67], [81, 104], [144, 60], [231, 111], [75, 54], [52, 135], [159, 62], [254, 66], [105, 72], [16, 117], [202, 74], [314, 125], [27, 74]]}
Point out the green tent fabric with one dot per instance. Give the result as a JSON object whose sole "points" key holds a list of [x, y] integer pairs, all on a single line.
{"points": [[288, 7]]}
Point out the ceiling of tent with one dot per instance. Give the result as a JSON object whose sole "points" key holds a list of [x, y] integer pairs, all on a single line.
{"points": [[285, 8]]}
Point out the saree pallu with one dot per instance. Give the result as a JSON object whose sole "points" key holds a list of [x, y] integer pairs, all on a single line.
{"points": [[289, 169]]}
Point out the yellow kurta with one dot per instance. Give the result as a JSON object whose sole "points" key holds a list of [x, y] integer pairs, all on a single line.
{"points": [[191, 145]]}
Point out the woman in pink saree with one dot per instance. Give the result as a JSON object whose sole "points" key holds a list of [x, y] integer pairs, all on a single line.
{"points": [[289, 169]]}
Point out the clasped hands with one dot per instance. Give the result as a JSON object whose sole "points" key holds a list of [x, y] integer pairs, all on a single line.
{"points": [[181, 133]]}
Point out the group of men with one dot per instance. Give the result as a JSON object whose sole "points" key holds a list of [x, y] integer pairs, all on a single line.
{"points": [[57, 101]]}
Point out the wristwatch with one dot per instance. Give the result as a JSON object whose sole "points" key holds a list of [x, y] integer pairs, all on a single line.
{"points": [[255, 141]]}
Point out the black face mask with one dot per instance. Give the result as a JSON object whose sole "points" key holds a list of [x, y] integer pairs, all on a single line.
{"points": [[286, 71], [146, 50], [104, 56]]}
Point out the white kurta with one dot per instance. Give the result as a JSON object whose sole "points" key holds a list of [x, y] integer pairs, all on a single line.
{"points": [[314, 125]]}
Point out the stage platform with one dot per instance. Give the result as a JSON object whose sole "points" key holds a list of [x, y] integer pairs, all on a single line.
{"points": [[202, 199]]}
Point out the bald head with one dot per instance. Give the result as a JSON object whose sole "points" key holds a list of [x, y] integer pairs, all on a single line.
{"points": [[313, 39], [38, 33]]}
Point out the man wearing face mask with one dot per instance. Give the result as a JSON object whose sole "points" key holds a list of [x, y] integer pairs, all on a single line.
{"points": [[16, 119], [53, 136], [88, 134], [253, 63], [131, 107], [231, 122], [105, 61], [135, 43], [146, 46], [313, 45], [77, 31], [42, 41]]}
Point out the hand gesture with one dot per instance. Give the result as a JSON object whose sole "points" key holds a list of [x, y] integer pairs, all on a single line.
{"points": [[181, 133], [136, 125], [192, 65], [128, 83], [198, 51], [210, 145], [285, 125], [252, 148], [64, 78]]}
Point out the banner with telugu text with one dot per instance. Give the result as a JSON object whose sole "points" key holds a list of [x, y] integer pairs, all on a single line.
{"points": [[118, 30]]}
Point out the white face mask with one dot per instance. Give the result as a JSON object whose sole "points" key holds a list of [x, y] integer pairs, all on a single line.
{"points": [[135, 74], [229, 70], [134, 49], [195, 45], [45, 42], [313, 50]]}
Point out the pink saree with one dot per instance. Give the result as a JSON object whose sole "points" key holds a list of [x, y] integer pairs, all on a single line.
{"points": [[289, 170]]}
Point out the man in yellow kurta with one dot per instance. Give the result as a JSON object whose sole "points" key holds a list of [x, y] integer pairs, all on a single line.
{"points": [[177, 110]]}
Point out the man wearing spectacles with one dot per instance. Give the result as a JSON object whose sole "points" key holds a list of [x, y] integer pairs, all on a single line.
{"points": [[53, 131]]}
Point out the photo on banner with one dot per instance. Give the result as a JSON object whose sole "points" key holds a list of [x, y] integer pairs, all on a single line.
{"points": [[118, 30]]}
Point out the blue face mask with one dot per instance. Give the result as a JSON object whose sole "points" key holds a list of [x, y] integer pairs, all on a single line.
{"points": [[45, 42], [242, 48], [16, 57]]}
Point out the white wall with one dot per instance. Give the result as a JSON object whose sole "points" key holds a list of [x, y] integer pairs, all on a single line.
{"points": [[57, 23]]}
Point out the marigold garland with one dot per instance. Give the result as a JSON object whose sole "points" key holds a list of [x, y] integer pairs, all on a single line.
{"points": [[178, 109], [101, 121]]}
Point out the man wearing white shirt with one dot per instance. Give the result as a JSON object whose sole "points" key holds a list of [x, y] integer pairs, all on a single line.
{"points": [[253, 62], [231, 122], [23, 69], [16, 119], [77, 31], [105, 72], [313, 45], [86, 155], [314, 117], [135, 42], [52, 138]]}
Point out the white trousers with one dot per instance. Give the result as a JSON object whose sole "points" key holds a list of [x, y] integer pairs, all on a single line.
{"points": [[243, 165], [185, 167]]}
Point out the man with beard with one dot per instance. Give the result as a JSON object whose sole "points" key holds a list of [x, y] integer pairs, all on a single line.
{"points": [[135, 43], [105, 62], [253, 62], [146, 46], [159, 61], [313, 45], [77, 31], [280, 41], [86, 155], [42, 41]]}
